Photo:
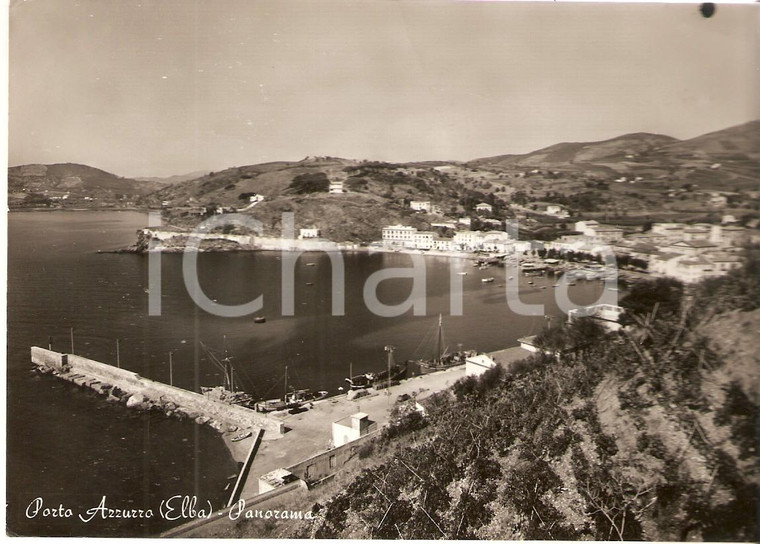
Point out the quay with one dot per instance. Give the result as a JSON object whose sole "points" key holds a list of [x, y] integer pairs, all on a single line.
{"points": [[120, 385], [285, 450]]}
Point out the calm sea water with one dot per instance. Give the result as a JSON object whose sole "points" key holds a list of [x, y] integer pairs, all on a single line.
{"points": [[69, 447]]}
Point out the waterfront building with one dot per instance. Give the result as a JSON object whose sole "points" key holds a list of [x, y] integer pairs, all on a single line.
{"points": [[399, 235], [308, 233], [467, 240], [602, 233], [444, 244], [690, 247], [423, 239]]}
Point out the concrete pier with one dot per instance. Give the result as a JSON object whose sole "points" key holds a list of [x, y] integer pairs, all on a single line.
{"points": [[138, 392]]}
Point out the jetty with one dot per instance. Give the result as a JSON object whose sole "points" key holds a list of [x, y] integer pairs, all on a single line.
{"points": [[129, 388]]}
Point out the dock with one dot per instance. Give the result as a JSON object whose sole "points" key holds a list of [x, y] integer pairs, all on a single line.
{"points": [[131, 389]]}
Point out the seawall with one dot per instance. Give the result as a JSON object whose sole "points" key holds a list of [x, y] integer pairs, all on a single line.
{"points": [[137, 392]]}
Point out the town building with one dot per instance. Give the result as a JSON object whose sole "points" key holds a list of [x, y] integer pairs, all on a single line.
{"points": [[275, 479], [351, 428], [607, 315], [399, 235], [484, 207], [308, 233], [423, 239], [420, 205], [557, 211], [336, 187]]}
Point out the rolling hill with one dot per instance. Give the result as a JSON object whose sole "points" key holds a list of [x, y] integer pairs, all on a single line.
{"points": [[38, 184]]}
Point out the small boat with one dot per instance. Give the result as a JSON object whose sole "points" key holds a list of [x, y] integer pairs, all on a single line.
{"points": [[243, 436], [487, 280], [461, 273], [555, 285], [543, 287], [260, 319], [311, 264], [309, 283], [572, 283], [530, 283]]}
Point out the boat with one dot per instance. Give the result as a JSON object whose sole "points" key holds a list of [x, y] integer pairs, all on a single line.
{"points": [[461, 273], [228, 391], [487, 280], [379, 380], [441, 359], [530, 283], [260, 319], [290, 399], [240, 437], [311, 264], [309, 283]]}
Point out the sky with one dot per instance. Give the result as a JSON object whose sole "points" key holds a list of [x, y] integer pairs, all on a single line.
{"points": [[164, 87]]}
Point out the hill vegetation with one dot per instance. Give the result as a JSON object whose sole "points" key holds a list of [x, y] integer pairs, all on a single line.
{"points": [[632, 179], [642, 434]]}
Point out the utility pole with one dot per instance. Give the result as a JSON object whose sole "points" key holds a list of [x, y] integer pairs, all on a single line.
{"points": [[72, 340], [50, 343], [389, 349], [171, 370], [118, 360]]}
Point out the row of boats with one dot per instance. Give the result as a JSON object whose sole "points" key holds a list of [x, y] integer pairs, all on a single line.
{"points": [[294, 400]]}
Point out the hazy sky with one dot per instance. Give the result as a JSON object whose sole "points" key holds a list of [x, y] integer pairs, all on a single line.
{"points": [[145, 87]]}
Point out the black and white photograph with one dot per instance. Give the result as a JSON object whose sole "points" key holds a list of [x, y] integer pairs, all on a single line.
{"points": [[383, 269]]}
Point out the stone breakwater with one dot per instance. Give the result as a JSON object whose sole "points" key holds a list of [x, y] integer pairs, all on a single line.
{"points": [[134, 391]]}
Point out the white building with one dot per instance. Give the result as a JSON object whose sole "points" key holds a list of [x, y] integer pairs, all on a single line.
{"points": [[478, 364], [336, 187], [444, 244], [602, 233], [484, 207], [351, 428], [691, 268], [608, 315], [557, 211], [255, 198], [468, 240], [423, 239], [399, 235], [420, 205], [308, 233]]}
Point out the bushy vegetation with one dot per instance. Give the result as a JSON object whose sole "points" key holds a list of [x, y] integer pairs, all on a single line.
{"points": [[629, 435], [316, 182]]}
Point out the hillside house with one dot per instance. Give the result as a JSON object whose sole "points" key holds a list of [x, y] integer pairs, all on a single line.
{"points": [[336, 187], [307, 233], [420, 205], [484, 207], [607, 315]]}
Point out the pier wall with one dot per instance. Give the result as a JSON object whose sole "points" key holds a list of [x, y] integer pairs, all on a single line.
{"points": [[150, 393], [329, 462]]}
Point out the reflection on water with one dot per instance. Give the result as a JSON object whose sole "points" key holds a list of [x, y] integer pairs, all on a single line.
{"points": [[65, 444]]}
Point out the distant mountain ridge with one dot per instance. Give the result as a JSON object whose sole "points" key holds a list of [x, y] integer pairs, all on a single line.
{"points": [[639, 151]]}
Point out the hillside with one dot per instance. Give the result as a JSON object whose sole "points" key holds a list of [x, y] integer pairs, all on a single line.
{"points": [[645, 434], [722, 160], [81, 185]]}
